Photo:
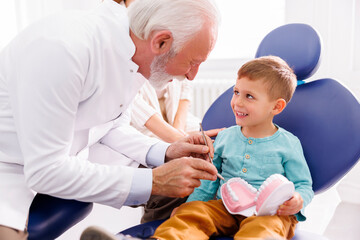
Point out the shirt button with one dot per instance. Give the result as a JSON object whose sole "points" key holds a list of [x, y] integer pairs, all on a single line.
{"points": [[131, 70], [121, 105], [244, 170], [250, 141], [247, 156]]}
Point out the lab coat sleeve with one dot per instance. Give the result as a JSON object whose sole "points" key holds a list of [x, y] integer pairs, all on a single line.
{"points": [[44, 96], [129, 141]]}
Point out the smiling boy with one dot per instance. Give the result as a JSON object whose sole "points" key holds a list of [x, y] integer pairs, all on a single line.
{"points": [[253, 150]]}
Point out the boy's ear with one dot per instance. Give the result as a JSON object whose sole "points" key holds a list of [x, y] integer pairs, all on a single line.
{"points": [[161, 42], [280, 104]]}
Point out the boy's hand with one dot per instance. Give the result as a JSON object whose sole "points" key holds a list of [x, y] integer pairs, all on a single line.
{"points": [[291, 206], [213, 132]]}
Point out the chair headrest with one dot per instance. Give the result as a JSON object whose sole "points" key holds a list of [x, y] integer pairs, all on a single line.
{"points": [[298, 44]]}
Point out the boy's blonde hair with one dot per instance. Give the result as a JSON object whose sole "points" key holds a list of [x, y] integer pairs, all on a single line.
{"points": [[278, 77]]}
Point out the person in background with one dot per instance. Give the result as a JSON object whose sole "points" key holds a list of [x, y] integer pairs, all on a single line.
{"points": [[253, 150], [164, 113], [66, 83]]}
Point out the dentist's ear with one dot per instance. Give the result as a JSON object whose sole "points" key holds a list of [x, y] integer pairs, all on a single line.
{"points": [[161, 42], [280, 104]]}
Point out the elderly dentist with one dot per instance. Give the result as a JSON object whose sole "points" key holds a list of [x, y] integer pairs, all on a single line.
{"points": [[65, 84]]}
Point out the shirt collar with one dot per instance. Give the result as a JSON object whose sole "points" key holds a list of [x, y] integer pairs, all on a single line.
{"points": [[276, 134]]}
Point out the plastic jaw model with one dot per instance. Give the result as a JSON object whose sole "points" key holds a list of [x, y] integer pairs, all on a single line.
{"points": [[239, 197]]}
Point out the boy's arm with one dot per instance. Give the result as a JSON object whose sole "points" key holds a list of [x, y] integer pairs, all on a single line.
{"points": [[297, 171], [208, 189], [205, 192]]}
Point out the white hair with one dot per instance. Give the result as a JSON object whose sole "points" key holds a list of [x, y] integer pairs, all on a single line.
{"points": [[183, 18]]}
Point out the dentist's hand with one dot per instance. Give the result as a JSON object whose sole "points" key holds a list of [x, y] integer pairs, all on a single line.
{"points": [[179, 177], [192, 145]]}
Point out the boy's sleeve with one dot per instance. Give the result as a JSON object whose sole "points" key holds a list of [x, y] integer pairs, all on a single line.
{"points": [[205, 192], [297, 171]]}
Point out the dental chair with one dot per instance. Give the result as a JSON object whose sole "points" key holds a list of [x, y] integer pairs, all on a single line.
{"points": [[323, 114], [50, 217]]}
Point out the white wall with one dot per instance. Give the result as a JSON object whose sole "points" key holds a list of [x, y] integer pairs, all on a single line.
{"points": [[338, 22], [244, 25]]}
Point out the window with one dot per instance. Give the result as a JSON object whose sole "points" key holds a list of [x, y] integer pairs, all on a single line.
{"points": [[244, 24], [7, 22], [15, 15]]}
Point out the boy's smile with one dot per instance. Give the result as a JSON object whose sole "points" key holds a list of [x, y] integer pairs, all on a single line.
{"points": [[240, 114]]}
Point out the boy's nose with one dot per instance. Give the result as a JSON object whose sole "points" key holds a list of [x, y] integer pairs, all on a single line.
{"points": [[239, 102]]}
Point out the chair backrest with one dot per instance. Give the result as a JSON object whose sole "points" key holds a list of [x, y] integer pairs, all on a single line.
{"points": [[323, 114], [298, 44]]}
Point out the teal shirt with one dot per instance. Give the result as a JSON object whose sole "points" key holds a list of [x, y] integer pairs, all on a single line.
{"points": [[254, 160]]}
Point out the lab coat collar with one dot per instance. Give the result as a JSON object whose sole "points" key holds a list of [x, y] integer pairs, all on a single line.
{"points": [[127, 47]]}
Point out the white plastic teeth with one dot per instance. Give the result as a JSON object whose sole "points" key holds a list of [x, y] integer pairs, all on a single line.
{"points": [[268, 181], [232, 193]]}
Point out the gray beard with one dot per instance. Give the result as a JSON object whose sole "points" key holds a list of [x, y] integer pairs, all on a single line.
{"points": [[159, 78]]}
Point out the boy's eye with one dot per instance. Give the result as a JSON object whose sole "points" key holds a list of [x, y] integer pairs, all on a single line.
{"points": [[236, 92], [249, 96]]}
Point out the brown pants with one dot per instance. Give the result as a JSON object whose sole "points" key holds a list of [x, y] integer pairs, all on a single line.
{"points": [[7, 233], [160, 207], [201, 220]]}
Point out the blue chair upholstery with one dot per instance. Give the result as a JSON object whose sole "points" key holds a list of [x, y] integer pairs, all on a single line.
{"points": [[298, 44], [50, 217], [323, 114]]}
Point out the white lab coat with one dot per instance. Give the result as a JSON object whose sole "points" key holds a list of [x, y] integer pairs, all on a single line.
{"points": [[64, 82]]}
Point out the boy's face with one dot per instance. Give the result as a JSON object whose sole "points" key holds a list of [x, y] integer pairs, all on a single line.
{"points": [[251, 104]]}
